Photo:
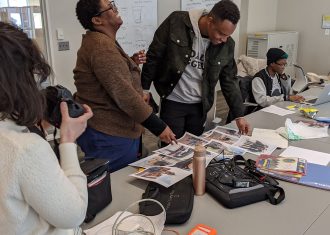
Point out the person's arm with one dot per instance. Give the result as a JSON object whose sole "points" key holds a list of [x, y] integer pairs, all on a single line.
{"points": [[155, 54], [260, 95], [232, 94], [58, 195]]}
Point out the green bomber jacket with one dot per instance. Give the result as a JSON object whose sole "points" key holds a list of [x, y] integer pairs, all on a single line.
{"points": [[169, 54]]}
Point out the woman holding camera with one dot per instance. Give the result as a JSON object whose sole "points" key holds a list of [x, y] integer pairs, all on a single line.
{"points": [[109, 81], [38, 195]]}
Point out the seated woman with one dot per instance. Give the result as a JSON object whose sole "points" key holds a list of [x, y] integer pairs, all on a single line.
{"points": [[271, 85], [109, 81], [38, 195]]}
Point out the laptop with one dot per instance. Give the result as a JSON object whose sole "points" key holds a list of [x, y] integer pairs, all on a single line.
{"points": [[323, 97], [301, 81]]}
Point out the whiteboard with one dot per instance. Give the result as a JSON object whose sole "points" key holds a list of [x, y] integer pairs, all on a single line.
{"points": [[187, 5], [139, 24]]}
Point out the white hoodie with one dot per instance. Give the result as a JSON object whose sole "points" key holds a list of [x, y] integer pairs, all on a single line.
{"points": [[189, 88]]}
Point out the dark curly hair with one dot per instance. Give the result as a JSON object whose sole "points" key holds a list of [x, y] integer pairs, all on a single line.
{"points": [[85, 11], [22, 69], [225, 10]]}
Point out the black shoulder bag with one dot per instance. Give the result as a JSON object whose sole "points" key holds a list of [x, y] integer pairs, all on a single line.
{"points": [[98, 185], [178, 201], [236, 182]]}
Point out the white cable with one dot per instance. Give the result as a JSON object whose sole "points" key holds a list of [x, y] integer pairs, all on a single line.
{"points": [[118, 222]]}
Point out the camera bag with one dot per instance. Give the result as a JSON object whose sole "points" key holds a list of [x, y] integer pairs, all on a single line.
{"points": [[178, 201], [98, 185], [236, 182]]}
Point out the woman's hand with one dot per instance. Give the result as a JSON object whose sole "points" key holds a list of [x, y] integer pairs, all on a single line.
{"points": [[139, 57], [72, 128], [167, 136]]}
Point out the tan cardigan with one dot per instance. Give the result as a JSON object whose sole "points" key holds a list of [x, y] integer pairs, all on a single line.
{"points": [[109, 82]]}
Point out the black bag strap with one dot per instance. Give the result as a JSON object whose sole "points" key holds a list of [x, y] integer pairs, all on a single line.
{"points": [[272, 195], [275, 193]]}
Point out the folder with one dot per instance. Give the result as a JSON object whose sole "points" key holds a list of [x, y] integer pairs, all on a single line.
{"points": [[318, 176]]}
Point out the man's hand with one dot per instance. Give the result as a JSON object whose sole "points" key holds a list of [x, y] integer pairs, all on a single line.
{"points": [[243, 125], [296, 98], [139, 57], [167, 136]]}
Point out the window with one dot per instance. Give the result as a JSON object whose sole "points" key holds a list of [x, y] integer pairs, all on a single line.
{"points": [[28, 15]]}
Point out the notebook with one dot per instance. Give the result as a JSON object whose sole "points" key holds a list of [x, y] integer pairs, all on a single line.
{"points": [[323, 97], [317, 176]]}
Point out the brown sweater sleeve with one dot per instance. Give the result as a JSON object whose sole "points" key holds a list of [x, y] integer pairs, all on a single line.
{"points": [[117, 77]]}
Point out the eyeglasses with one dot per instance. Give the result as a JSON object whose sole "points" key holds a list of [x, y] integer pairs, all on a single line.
{"points": [[282, 65], [112, 6]]}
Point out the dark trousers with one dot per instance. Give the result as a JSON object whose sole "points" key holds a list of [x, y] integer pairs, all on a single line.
{"points": [[119, 151], [181, 117]]}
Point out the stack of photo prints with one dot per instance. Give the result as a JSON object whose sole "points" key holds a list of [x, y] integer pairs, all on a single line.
{"points": [[172, 163]]}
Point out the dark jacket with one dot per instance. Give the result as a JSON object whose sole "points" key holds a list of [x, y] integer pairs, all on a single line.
{"points": [[169, 54], [268, 82]]}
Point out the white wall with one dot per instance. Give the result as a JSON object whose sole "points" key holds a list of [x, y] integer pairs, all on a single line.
{"points": [[61, 14], [304, 16], [261, 15]]}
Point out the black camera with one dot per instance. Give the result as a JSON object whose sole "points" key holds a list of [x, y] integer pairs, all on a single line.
{"points": [[54, 96]]}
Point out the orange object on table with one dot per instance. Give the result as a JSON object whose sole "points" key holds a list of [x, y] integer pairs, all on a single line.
{"points": [[202, 229]]}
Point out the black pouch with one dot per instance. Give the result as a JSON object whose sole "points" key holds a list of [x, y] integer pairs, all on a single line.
{"points": [[98, 184], [178, 201], [234, 186]]}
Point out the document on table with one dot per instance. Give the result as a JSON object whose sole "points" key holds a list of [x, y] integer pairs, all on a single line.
{"points": [[310, 155], [277, 110], [270, 136], [307, 129]]}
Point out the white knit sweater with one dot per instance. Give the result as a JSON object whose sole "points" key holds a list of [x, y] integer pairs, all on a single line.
{"points": [[37, 195]]}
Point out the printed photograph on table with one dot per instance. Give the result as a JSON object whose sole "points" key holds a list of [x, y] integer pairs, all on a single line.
{"points": [[312, 123], [215, 147], [228, 131], [184, 165], [165, 176], [191, 140], [155, 160], [209, 156], [223, 149], [221, 137], [254, 146], [177, 151]]}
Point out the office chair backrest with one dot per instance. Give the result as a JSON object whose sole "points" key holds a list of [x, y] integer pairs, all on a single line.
{"points": [[250, 105], [245, 85]]}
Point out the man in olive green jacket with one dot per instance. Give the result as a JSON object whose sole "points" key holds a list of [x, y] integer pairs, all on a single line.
{"points": [[191, 52]]}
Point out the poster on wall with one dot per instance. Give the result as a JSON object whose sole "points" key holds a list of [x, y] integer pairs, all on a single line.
{"points": [[187, 5], [139, 24]]}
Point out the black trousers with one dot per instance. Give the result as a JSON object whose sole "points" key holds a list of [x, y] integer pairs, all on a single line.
{"points": [[181, 117]]}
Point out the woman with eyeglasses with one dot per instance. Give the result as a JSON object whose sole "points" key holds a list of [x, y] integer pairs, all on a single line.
{"points": [[109, 81], [271, 85], [38, 194]]}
